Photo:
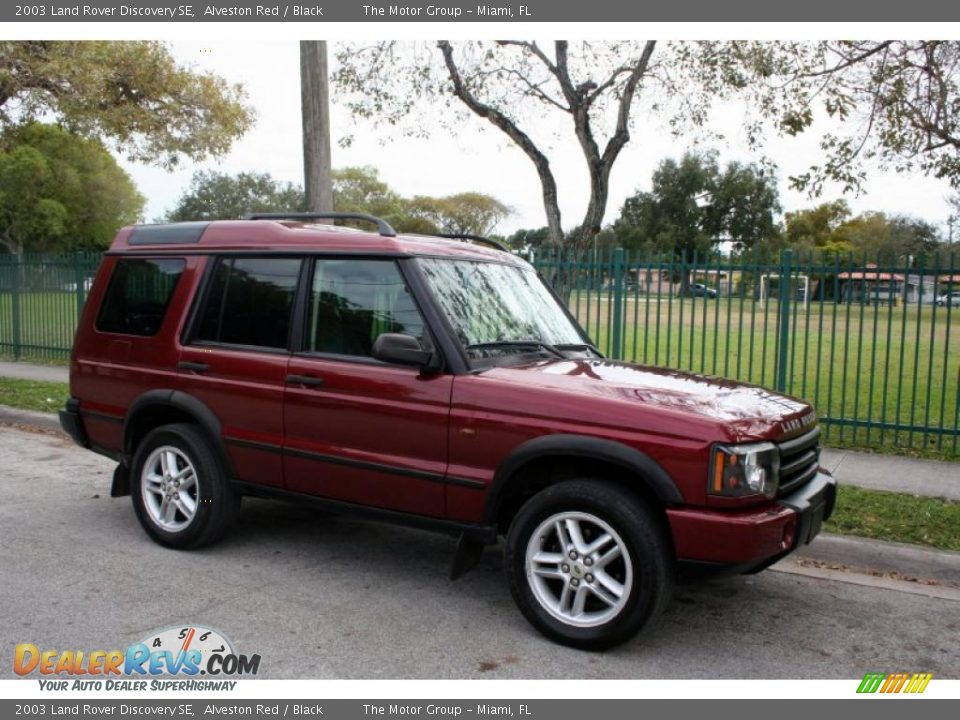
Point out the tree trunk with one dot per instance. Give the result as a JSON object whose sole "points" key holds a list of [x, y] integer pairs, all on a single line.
{"points": [[315, 106], [511, 130]]}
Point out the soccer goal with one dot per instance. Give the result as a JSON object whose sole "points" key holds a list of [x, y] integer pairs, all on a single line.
{"points": [[796, 280]]}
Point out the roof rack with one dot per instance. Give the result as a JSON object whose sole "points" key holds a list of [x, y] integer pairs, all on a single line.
{"points": [[495, 244], [382, 225]]}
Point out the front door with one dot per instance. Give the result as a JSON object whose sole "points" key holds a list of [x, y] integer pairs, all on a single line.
{"points": [[357, 429]]}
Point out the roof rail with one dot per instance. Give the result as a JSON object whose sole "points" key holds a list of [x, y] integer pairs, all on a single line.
{"points": [[477, 239], [382, 225]]}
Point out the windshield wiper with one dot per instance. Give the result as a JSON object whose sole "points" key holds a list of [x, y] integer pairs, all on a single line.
{"points": [[579, 346], [518, 344]]}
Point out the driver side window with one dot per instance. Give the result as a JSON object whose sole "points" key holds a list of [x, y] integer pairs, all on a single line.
{"points": [[352, 302]]}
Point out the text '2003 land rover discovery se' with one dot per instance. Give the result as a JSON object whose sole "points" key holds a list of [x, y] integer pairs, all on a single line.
{"points": [[436, 382]]}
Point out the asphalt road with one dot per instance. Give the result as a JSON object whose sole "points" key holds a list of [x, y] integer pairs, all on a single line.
{"points": [[319, 596]]}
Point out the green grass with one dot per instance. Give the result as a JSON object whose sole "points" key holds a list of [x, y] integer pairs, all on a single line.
{"points": [[896, 517], [33, 395], [47, 322]]}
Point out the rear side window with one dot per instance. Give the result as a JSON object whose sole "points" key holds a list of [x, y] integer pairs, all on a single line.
{"points": [[249, 302], [138, 295]]}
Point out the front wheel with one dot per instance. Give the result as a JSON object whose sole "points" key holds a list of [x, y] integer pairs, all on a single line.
{"points": [[588, 563]]}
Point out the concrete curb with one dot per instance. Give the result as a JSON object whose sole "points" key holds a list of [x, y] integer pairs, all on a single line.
{"points": [[48, 422], [881, 558]]}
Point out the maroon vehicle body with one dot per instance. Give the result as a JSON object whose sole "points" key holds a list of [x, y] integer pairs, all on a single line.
{"points": [[450, 448]]}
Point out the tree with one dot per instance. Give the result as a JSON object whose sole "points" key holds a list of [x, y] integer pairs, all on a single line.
{"points": [[877, 237], [529, 239], [693, 205], [504, 83], [219, 196], [817, 228], [61, 192], [674, 216], [468, 213], [896, 102], [744, 206], [130, 94]]}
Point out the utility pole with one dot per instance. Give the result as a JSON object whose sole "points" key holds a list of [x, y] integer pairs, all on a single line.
{"points": [[315, 104]]}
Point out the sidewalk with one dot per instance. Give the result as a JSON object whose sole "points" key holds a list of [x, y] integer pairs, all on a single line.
{"points": [[867, 470], [933, 478], [29, 371]]}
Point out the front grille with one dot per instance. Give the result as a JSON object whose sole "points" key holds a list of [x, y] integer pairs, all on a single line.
{"points": [[799, 460]]}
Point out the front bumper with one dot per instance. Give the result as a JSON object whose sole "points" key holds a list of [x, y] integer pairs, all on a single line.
{"points": [[753, 539]]}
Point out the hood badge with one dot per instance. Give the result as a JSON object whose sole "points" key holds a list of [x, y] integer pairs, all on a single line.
{"points": [[800, 423]]}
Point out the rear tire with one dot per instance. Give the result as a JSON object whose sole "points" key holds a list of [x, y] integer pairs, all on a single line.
{"points": [[180, 490], [588, 563]]}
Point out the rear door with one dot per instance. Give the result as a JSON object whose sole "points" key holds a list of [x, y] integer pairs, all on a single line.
{"points": [[357, 429], [235, 359]]}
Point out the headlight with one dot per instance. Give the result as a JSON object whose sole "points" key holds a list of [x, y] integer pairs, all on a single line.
{"points": [[739, 470]]}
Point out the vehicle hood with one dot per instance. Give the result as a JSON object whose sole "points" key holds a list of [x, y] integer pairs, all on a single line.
{"points": [[744, 411]]}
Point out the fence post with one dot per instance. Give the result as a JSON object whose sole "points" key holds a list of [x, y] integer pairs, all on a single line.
{"points": [[783, 346], [78, 279], [617, 329], [15, 306]]}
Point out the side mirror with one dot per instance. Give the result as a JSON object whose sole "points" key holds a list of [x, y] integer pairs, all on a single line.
{"points": [[403, 350]]}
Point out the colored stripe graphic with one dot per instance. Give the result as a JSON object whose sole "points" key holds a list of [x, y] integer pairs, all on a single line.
{"points": [[895, 682]]}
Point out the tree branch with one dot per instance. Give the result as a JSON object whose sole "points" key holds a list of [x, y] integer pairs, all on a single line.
{"points": [[622, 133], [849, 61], [512, 130]]}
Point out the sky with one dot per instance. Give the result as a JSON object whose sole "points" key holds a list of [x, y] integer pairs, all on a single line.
{"points": [[480, 158]]}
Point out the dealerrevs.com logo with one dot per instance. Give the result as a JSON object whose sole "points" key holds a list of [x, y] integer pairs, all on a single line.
{"points": [[186, 652]]}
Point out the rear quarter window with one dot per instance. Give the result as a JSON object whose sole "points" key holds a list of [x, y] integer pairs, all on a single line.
{"points": [[138, 295]]}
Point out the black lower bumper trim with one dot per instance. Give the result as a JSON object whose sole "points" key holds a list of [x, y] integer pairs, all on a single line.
{"points": [[813, 504], [72, 424]]}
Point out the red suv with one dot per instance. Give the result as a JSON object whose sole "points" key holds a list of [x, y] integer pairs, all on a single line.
{"points": [[436, 382]]}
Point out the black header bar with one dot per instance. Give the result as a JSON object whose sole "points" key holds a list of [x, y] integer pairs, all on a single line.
{"points": [[332, 11]]}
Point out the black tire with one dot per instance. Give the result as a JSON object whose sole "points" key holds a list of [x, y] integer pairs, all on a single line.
{"points": [[217, 503], [642, 533]]}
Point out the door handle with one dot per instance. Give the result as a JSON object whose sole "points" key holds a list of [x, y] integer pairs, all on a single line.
{"points": [[193, 366], [309, 380]]}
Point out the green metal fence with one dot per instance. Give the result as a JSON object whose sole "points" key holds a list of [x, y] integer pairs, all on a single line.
{"points": [[863, 339], [41, 298]]}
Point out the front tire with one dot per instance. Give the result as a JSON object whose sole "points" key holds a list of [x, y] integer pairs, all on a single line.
{"points": [[180, 492], [588, 563]]}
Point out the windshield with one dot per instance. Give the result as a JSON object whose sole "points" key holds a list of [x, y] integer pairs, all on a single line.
{"points": [[499, 310]]}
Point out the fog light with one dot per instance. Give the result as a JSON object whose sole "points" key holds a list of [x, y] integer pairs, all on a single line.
{"points": [[789, 529]]}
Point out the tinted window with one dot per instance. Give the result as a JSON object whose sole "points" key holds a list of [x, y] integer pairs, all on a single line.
{"points": [[138, 295], [249, 302], [354, 301]]}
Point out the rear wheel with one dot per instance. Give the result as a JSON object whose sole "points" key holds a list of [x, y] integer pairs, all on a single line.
{"points": [[181, 493], [588, 563]]}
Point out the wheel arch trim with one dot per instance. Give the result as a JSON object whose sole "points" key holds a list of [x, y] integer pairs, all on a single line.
{"points": [[179, 400], [647, 470]]}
